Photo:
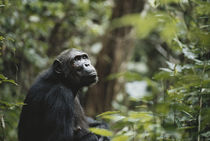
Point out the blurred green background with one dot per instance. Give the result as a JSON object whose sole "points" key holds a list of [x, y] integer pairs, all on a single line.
{"points": [[152, 57]]}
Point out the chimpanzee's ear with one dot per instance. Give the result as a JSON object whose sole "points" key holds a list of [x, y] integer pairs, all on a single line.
{"points": [[57, 66]]}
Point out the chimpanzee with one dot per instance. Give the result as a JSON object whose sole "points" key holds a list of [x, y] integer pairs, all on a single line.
{"points": [[52, 111]]}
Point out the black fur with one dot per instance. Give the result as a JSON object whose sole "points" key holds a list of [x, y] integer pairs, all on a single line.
{"points": [[52, 111]]}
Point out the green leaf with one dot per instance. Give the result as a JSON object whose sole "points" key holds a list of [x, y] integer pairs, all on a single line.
{"points": [[5, 103], [188, 114], [166, 69], [162, 75], [169, 31], [206, 82], [168, 1], [162, 108], [120, 138], [142, 116], [108, 113], [203, 8], [189, 54], [20, 104], [131, 76], [143, 25], [206, 134], [10, 81], [102, 132], [1, 38], [11, 106], [3, 77]]}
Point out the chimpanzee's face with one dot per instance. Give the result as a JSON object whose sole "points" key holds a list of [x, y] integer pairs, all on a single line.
{"points": [[76, 68], [81, 69]]}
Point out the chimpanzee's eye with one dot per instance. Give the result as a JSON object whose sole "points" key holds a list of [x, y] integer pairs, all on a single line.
{"points": [[84, 56], [77, 58]]}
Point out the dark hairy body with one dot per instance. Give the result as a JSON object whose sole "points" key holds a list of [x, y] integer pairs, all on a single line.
{"points": [[52, 111]]}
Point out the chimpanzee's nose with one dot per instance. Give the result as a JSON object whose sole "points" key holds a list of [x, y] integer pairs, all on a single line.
{"points": [[86, 65]]}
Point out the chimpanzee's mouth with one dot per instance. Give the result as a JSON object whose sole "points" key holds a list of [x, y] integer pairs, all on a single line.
{"points": [[93, 74], [93, 77]]}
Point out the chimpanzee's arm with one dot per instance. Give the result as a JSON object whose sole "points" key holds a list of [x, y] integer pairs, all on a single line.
{"points": [[59, 117]]}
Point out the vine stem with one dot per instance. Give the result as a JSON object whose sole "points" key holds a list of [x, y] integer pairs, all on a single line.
{"points": [[2, 125], [199, 117], [200, 105]]}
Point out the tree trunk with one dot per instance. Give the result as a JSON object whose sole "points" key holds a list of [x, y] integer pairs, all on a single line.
{"points": [[117, 45]]}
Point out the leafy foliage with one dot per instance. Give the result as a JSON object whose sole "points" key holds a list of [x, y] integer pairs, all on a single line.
{"points": [[176, 105], [177, 108], [100, 131], [32, 32]]}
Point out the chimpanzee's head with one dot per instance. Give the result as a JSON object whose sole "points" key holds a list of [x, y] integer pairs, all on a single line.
{"points": [[75, 69]]}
